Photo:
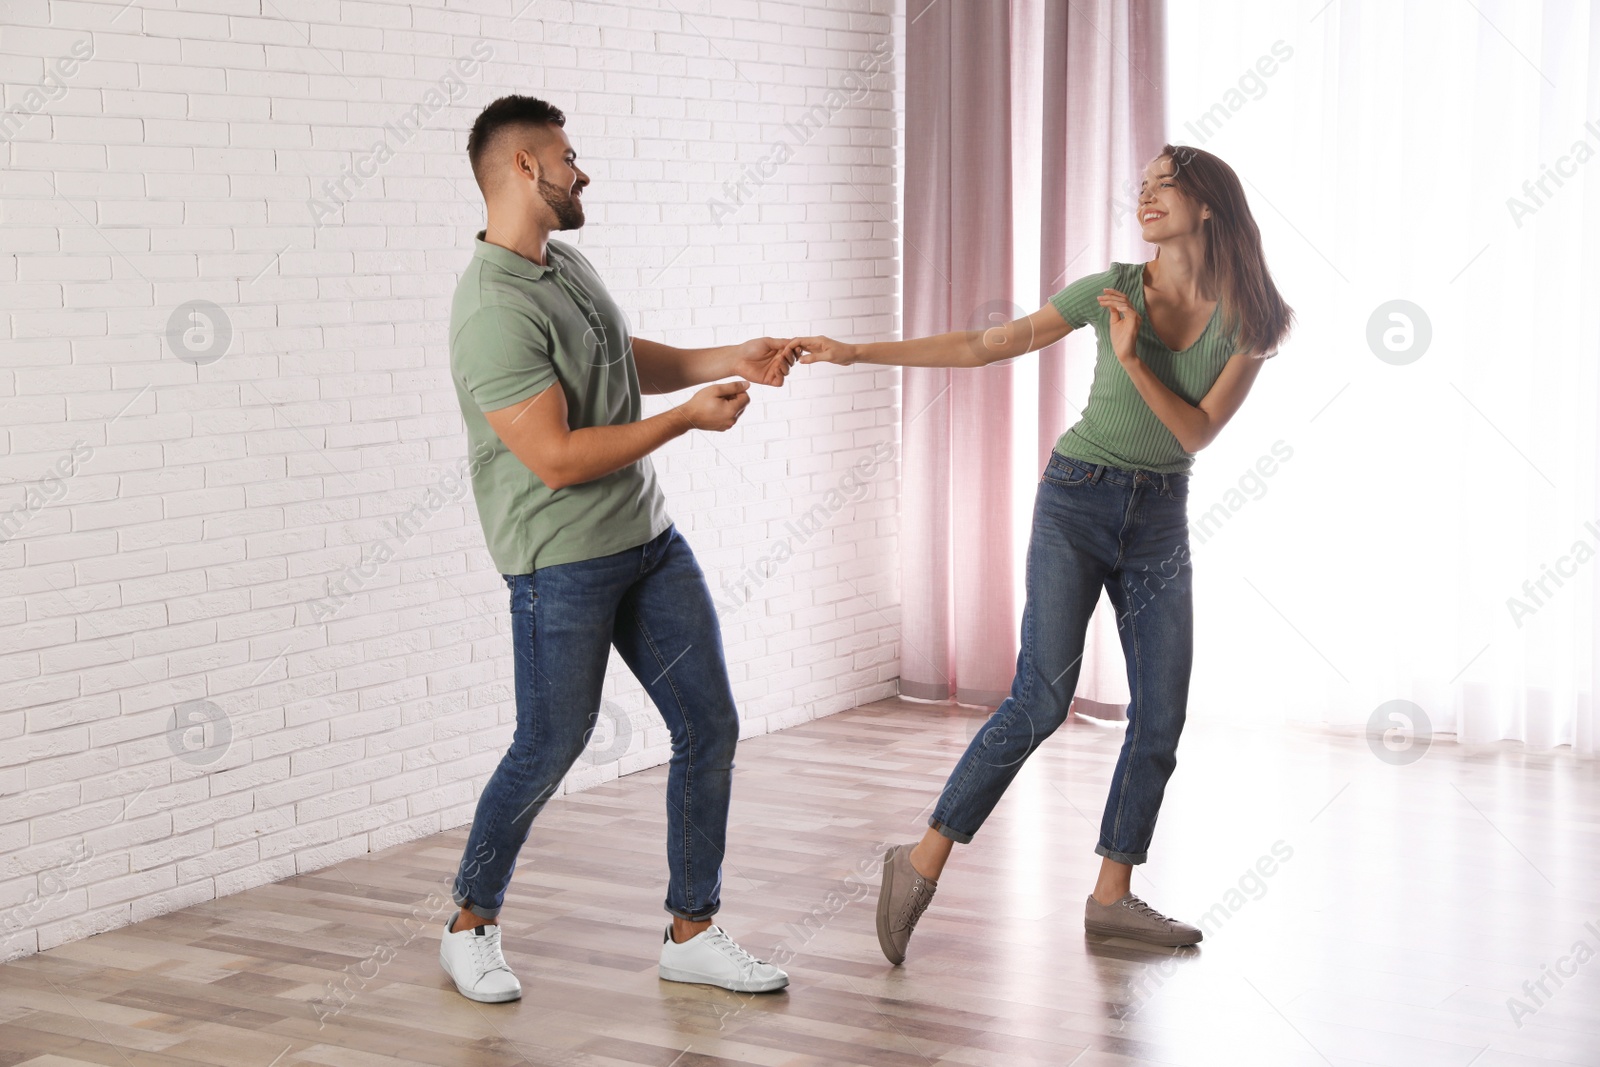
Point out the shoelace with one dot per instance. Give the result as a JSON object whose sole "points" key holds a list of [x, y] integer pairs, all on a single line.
{"points": [[486, 953], [1138, 906], [916, 904], [731, 949]]}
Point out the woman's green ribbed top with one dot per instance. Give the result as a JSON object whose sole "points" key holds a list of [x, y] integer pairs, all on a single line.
{"points": [[1117, 427]]}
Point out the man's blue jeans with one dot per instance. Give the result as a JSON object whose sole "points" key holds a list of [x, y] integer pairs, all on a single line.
{"points": [[1094, 527], [652, 603]]}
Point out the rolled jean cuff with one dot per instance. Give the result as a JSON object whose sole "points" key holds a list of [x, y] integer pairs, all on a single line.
{"points": [[480, 912], [1121, 857], [691, 918], [955, 835]]}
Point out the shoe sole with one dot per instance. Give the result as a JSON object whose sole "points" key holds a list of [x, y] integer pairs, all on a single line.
{"points": [[481, 998], [1120, 931], [885, 892], [672, 974], [488, 998]]}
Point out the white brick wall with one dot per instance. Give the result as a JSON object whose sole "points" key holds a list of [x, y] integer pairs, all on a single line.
{"points": [[169, 523]]}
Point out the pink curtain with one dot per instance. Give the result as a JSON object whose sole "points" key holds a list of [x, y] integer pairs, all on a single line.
{"points": [[955, 423], [985, 82]]}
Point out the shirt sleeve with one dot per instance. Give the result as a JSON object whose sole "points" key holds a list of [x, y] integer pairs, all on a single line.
{"points": [[1077, 302], [502, 356]]}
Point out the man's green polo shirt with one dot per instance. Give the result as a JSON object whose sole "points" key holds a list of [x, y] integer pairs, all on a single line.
{"points": [[516, 328]]}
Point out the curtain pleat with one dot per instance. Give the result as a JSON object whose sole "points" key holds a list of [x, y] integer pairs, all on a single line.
{"points": [[1093, 74]]}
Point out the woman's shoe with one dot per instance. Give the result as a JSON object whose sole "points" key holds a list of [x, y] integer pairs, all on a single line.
{"points": [[1132, 917], [902, 898]]}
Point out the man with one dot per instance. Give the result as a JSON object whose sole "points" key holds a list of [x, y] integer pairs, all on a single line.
{"points": [[549, 384]]}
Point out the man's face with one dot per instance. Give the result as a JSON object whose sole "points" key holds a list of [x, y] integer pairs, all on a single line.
{"points": [[560, 182]]}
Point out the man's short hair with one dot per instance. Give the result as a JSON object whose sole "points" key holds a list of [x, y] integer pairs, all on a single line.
{"points": [[506, 113]]}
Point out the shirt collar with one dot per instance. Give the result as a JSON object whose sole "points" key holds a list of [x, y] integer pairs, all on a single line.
{"points": [[510, 262]]}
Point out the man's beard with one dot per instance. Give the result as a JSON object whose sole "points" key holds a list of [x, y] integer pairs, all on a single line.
{"points": [[569, 213]]}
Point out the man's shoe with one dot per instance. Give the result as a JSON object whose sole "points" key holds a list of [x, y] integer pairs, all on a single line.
{"points": [[711, 957], [902, 898], [1132, 917], [473, 961]]}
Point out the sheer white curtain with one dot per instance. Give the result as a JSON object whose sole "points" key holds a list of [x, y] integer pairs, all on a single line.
{"points": [[1406, 508]]}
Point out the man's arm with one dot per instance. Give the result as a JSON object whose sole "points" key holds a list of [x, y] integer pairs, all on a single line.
{"points": [[536, 431], [665, 369]]}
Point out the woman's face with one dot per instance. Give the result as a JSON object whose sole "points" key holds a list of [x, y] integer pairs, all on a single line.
{"points": [[1164, 211]]}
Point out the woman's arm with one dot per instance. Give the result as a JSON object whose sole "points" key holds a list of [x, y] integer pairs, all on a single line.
{"points": [[1195, 427], [664, 369], [959, 348]]}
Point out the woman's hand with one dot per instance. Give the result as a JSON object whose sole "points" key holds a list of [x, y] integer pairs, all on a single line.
{"points": [[824, 350], [1124, 324]]}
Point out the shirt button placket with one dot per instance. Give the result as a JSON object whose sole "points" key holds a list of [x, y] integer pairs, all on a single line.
{"points": [[591, 317]]}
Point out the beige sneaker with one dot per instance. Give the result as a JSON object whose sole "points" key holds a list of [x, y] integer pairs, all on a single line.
{"points": [[1132, 917], [902, 898]]}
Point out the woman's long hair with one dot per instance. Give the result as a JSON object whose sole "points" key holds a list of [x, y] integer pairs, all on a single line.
{"points": [[1235, 268]]}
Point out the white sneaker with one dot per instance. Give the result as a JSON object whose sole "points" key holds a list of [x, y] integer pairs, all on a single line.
{"points": [[711, 957], [473, 961]]}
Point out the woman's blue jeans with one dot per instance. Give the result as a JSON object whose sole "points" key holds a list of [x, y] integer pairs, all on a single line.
{"points": [[1094, 527], [653, 605]]}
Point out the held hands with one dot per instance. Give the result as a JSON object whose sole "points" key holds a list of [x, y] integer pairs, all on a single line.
{"points": [[764, 360], [823, 350], [1124, 323], [767, 360]]}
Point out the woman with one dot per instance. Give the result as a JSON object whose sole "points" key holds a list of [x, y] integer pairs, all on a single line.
{"points": [[1181, 339]]}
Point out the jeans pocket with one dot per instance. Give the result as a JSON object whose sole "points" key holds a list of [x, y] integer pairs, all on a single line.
{"points": [[1065, 472]]}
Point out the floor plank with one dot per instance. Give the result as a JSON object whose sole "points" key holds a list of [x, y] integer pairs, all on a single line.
{"points": [[1413, 902]]}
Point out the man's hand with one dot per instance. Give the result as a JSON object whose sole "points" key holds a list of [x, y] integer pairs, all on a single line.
{"points": [[716, 407], [764, 360], [824, 350]]}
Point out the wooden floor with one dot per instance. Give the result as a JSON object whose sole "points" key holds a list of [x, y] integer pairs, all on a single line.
{"points": [[1413, 902]]}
